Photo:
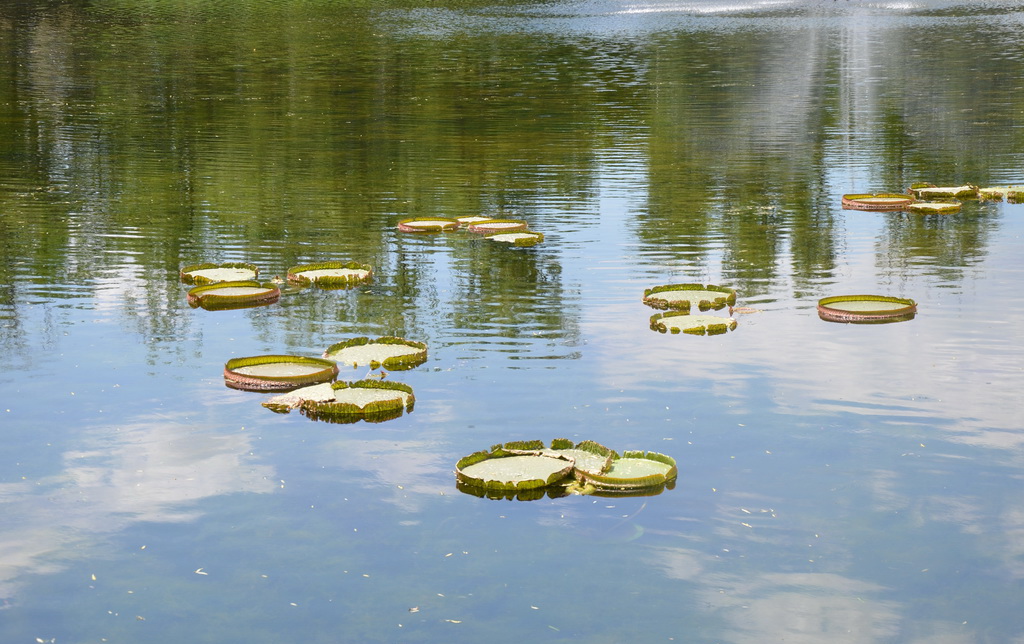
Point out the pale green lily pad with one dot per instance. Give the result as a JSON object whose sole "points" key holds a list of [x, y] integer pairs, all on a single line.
{"points": [[493, 226], [588, 456], [392, 353], [428, 224], [232, 295], [369, 400], [210, 273], [935, 207], [1012, 194], [635, 470], [682, 297], [331, 274], [518, 238], [866, 308], [502, 469], [678, 321], [931, 192], [277, 372], [472, 219]]}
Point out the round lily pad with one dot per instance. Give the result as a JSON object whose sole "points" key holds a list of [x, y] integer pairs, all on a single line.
{"points": [[1013, 194], [881, 201], [679, 321], [927, 192], [233, 295], [503, 469], [682, 297], [331, 274], [518, 238], [395, 354], [492, 226], [934, 207], [209, 273], [277, 372], [369, 400], [427, 224], [472, 219], [634, 470], [866, 308]]}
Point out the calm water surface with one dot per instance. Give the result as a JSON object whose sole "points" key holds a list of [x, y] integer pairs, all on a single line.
{"points": [[837, 483]]}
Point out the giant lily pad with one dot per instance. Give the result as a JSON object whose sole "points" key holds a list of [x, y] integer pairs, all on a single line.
{"points": [[331, 274], [520, 238], [492, 226], [513, 469], [881, 201], [682, 297], [427, 224], [209, 273], [467, 220], [934, 207], [1012, 194], [392, 353], [369, 400], [233, 295], [866, 308], [588, 457], [277, 372], [634, 470], [932, 192], [679, 321]]}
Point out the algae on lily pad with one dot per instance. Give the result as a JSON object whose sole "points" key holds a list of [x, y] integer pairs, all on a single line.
{"points": [[232, 295], [370, 400], [395, 354], [428, 224], [277, 372], [682, 297], [881, 201], [934, 207], [679, 321], [491, 226], [520, 238], [208, 273], [634, 470], [1012, 194], [928, 192], [866, 308], [331, 274]]}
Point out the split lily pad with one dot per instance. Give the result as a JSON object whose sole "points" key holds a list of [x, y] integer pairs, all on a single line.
{"points": [[427, 224], [513, 469], [931, 192], [678, 321], [492, 226], [395, 354], [331, 274], [518, 238], [233, 295], [866, 308], [882, 201], [682, 297], [210, 273], [370, 400], [588, 457], [935, 207], [634, 470], [277, 372], [1012, 194]]}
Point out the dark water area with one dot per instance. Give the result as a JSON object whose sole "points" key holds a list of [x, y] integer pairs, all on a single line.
{"points": [[837, 482]]}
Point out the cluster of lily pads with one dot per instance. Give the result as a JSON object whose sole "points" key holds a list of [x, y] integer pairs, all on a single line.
{"points": [[929, 199], [515, 232], [678, 301], [527, 470]]}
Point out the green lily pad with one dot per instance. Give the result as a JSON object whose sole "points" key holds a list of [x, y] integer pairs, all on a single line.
{"points": [[634, 470], [233, 295], [881, 201], [331, 274], [427, 224], [588, 456], [1012, 194], [395, 354], [866, 308], [934, 207], [682, 297], [277, 372], [210, 273], [493, 226], [504, 469], [520, 238], [368, 400], [472, 219], [679, 321], [931, 192]]}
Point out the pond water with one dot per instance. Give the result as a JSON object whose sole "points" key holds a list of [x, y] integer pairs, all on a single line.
{"points": [[837, 482]]}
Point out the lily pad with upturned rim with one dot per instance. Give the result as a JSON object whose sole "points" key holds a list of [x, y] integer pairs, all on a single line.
{"points": [[866, 308], [588, 456], [467, 220], [233, 295], [928, 192], [493, 226], [369, 400], [521, 238], [505, 469], [680, 322], [331, 274], [635, 470], [277, 372], [427, 224], [935, 207], [395, 354], [880, 202], [208, 273], [682, 297]]}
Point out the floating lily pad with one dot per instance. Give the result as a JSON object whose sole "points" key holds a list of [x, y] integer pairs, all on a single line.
{"points": [[233, 295], [1012, 194], [588, 456], [392, 353], [682, 297], [634, 470], [427, 224], [934, 207], [492, 226], [678, 321], [866, 308], [472, 219], [277, 372], [331, 274], [370, 400], [931, 192], [210, 273], [518, 238], [513, 469], [881, 201]]}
